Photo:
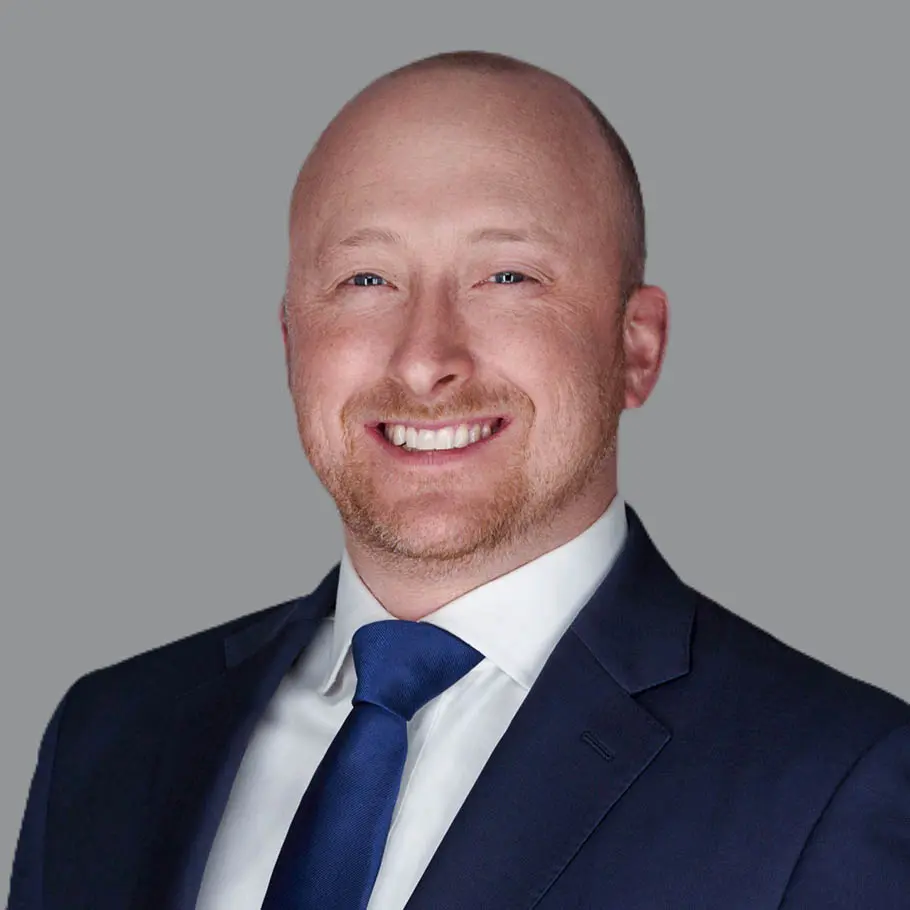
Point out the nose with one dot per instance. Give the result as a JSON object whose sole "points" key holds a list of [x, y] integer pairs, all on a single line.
{"points": [[432, 354]]}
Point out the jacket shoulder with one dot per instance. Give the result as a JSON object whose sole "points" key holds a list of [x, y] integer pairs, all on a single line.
{"points": [[782, 686], [172, 668]]}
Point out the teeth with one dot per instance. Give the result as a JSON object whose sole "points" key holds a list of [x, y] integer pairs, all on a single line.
{"points": [[445, 438], [438, 440]]}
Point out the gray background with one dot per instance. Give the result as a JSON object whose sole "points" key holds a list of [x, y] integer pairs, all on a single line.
{"points": [[152, 482]]}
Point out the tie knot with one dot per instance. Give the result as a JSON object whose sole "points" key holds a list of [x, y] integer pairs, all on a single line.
{"points": [[402, 664]]}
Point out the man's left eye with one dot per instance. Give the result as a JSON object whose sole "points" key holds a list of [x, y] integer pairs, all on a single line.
{"points": [[508, 277]]}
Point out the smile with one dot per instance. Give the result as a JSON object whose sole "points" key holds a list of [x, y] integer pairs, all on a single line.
{"points": [[417, 438], [433, 441]]}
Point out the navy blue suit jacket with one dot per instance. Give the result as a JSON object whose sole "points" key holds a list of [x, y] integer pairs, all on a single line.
{"points": [[670, 755]]}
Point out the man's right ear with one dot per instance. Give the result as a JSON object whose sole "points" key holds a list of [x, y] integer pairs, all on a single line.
{"points": [[283, 319]]}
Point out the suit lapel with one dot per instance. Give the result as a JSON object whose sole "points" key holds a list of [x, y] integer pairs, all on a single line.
{"points": [[564, 761], [576, 745], [210, 728]]}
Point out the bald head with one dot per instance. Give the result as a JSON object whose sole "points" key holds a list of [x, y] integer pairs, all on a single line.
{"points": [[538, 105], [466, 274]]}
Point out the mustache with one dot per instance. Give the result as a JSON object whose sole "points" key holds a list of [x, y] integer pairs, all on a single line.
{"points": [[394, 404]]}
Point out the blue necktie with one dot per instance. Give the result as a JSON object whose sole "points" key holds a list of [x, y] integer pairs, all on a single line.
{"points": [[331, 855]]}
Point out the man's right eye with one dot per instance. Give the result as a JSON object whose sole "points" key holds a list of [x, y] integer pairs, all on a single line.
{"points": [[366, 280]]}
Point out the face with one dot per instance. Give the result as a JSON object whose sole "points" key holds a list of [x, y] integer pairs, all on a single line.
{"points": [[453, 285]]}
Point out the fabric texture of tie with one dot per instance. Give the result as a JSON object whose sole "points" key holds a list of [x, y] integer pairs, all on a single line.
{"points": [[331, 855]]}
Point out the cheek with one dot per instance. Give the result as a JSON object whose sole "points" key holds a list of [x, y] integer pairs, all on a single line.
{"points": [[327, 369], [558, 365]]}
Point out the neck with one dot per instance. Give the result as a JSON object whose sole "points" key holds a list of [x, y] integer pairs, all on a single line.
{"points": [[412, 588]]}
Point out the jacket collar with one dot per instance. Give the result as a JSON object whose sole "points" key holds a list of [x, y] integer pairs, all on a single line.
{"points": [[244, 643], [637, 624]]}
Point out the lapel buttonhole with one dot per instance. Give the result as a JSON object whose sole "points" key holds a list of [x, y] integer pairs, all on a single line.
{"points": [[597, 745]]}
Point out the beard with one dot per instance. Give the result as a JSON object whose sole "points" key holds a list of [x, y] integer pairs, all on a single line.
{"points": [[432, 520], [442, 521]]}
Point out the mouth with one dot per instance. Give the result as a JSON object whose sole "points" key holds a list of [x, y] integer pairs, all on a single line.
{"points": [[437, 442]]}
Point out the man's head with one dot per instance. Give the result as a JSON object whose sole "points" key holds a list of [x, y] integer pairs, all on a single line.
{"points": [[467, 248]]}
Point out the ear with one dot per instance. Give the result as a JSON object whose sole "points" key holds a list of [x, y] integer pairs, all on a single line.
{"points": [[646, 325], [283, 319]]}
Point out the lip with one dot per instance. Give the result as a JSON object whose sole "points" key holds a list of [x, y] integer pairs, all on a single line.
{"points": [[435, 457]]}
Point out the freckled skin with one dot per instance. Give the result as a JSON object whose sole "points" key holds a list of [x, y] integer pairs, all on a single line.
{"points": [[434, 157]]}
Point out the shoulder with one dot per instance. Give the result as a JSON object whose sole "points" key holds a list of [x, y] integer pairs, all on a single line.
{"points": [[740, 669], [163, 672]]}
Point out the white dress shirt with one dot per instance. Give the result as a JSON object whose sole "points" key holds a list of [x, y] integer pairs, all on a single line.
{"points": [[515, 621]]}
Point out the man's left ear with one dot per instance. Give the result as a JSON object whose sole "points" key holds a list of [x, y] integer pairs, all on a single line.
{"points": [[646, 324]]}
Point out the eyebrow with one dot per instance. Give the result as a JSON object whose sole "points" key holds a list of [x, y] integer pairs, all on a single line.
{"points": [[372, 235], [368, 235], [513, 235]]}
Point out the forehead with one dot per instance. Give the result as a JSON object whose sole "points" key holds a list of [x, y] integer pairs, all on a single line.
{"points": [[451, 157]]}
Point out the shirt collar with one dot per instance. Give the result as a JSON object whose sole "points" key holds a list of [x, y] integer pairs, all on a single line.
{"points": [[514, 620]]}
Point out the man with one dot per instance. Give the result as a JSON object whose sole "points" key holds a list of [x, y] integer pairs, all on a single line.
{"points": [[545, 715]]}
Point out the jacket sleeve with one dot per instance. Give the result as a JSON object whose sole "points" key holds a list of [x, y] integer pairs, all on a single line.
{"points": [[858, 854], [27, 879]]}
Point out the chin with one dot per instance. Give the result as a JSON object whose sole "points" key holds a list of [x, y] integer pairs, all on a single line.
{"points": [[455, 532], [434, 528], [441, 548], [433, 525]]}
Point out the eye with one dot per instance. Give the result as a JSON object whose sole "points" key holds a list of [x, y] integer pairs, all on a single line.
{"points": [[366, 280], [508, 277]]}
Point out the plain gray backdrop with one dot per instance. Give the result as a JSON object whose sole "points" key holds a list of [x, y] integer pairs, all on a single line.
{"points": [[152, 479]]}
